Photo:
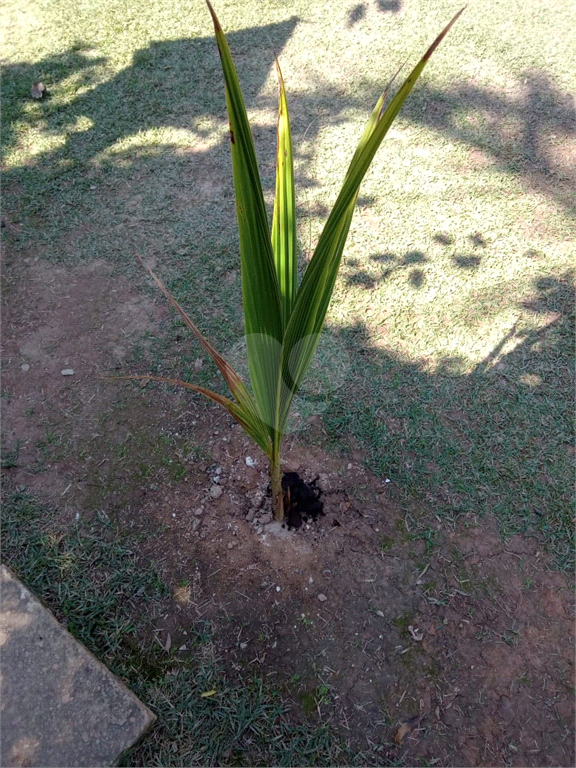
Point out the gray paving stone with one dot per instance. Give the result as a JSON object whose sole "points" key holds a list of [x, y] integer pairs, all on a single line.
{"points": [[59, 705]]}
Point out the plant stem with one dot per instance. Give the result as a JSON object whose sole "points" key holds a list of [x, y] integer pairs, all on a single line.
{"points": [[276, 484]]}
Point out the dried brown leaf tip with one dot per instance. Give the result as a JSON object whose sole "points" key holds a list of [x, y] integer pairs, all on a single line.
{"points": [[406, 728], [38, 91], [217, 26]]}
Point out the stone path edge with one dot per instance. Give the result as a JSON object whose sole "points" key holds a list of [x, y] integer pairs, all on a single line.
{"points": [[59, 705]]}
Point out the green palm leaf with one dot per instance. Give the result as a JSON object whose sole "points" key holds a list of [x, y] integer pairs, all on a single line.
{"points": [[243, 416], [307, 319], [282, 322], [284, 218], [244, 410], [260, 288]]}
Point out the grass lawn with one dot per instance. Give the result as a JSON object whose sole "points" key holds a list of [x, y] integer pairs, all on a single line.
{"points": [[453, 313], [95, 584], [454, 300]]}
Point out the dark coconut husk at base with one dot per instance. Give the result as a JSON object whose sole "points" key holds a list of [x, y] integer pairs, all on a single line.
{"points": [[301, 500]]}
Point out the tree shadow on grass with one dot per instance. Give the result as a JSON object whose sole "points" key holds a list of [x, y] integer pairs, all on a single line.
{"points": [[412, 265], [170, 83], [531, 135], [360, 10], [18, 78], [497, 440], [178, 84], [101, 190]]}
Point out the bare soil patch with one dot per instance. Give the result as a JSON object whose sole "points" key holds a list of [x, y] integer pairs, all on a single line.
{"points": [[420, 638]]}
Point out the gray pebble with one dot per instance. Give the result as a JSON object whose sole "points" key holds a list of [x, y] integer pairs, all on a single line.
{"points": [[215, 491]]}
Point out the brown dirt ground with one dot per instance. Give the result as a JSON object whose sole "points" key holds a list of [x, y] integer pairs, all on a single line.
{"points": [[422, 639]]}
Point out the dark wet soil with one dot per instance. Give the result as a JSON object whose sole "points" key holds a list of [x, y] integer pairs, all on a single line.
{"points": [[301, 500]]}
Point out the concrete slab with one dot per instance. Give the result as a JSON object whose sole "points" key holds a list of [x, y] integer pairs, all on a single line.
{"points": [[59, 705]]}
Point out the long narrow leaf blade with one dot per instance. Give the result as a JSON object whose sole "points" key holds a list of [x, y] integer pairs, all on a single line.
{"points": [[284, 218], [372, 139], [316, 289], [244, 418], [301, 353], [233, 381], [260, 290]]}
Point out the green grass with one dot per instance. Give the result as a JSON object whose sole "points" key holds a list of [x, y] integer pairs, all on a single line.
{"points": [[455, 288], [452, 321], [497, 440], [98, 587]]}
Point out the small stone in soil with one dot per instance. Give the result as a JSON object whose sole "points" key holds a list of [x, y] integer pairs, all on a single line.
{"points": [[25, 367], [322, 598], [67, 372], [250, 515], [277, 529], [215, 491]]}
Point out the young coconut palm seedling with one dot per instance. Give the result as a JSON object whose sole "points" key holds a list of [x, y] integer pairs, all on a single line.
{"points": [[283, 320]]}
